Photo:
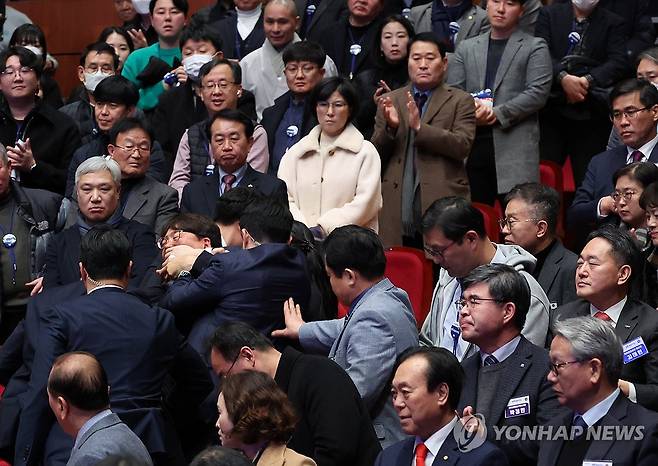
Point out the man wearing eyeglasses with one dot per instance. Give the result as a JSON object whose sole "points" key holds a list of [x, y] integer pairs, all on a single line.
{"points": [[586, 363], [634, 113], [505, 381], [606, 268]]}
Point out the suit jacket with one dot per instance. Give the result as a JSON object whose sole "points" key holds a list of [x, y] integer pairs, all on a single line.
{"points": [[527, 368], [366, 344], [636, 320], [597, 184], [442, 144], [635, 452], [557, 276], [472, 23], [137, 345], [63, 256], [521, 88], [334, 427], [326, 13], [277, 454], [402, 454], [227, 28], [106, 437], [200, 196], [247, 285]]}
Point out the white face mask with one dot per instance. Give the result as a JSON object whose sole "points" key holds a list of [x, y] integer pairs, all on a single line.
{"points": [[35, 50], [193, 64], [92, 79], [141, 6], [585, 5]]}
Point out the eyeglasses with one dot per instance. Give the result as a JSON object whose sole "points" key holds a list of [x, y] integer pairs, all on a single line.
{"points": [[234, 361], [629, 114], [509, 223], [556, 367], [222, 85], [22, 71], [437, 252], [175, 236], [324, 105], [305, 69], [129, 148], [473, 301], [627, 195]]}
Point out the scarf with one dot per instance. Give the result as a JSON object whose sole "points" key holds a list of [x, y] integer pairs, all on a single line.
{"points": [[443, 15]]}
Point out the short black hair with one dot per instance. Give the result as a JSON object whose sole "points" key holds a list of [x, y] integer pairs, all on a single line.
{"points": [[98, 48], [235, 69], [454, 216], [357, 248], [622, 245], [26, 58], [339, 84], [105, 252], [305, 51], [431, 38], [108, 31], [544, 200], [649, 197], [128, 124], [442, 367], [506, 284], [80, 378], [29, 33], [118, 90], [644, 173], [220, 456], [182, 5], [267, 220], [201, 32], [198, 225], [232, 204], [233, 115], [229, 337], [648, 92]]}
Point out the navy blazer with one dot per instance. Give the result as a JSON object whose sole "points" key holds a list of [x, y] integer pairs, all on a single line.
{"points": [[200, 196], [597, 184], [402, 453], [137, 345], [247, 285], [63, 256]]}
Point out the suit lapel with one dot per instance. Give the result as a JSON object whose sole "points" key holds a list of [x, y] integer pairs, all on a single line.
{"points": [[549, 451], [449, 453], [471, 367], [322, 7], [250, 178], [138, 197], [618, 411], [211, 191], [438, 99], [628, 320], [480, 56], [511, 49], [72, 243], [653, 157], [549, 271], [519, 362]]}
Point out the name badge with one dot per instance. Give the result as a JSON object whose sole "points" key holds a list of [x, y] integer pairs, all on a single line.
{"points": [[634, 349], [355, 49], [518, 407], [597, 463]]}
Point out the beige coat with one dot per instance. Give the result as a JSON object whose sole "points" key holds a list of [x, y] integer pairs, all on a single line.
{"points": [[338, 185], [277, 454]]}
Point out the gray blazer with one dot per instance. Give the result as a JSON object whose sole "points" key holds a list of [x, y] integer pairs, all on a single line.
{"points": [[366, 344], [521, 89], [108, 436], [472, 23]]}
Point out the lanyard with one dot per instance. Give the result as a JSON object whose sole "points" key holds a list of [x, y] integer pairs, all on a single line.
{"points": [[355, 49], [9, 241]]}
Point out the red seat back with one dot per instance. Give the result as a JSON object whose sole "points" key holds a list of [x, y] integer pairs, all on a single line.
{"points": [[551, 174], [490, 221]]}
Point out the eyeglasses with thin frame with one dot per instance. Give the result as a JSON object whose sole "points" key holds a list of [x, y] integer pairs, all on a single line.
{"points": [[437, 252], [630, 114], [305, 69], [22, 71], [232, 365], [555, 367], [509, 223], [627, 195], [222, 85], [474, 301], [338, 105], [130, 149], [164, 240]]}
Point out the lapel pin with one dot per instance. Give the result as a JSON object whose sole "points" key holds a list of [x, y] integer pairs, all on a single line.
{"points": [[470, 17], [445, 458], [522, 365], [627, 326], [250, 186]]}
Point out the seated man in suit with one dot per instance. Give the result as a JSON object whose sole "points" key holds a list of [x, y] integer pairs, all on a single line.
{"points": [[508, 371], [531, 218], [607, 265], [231, 138], [586, 364], [79, 396], [634, 112], [98, 184], [119, 330], [378, 327], [426, 387], [334, 427], [221, 89], [456, 240]]}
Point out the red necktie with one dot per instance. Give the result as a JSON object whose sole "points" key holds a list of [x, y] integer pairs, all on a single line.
{"points": [[602, 316], [637, 156], [421, 454], [228, 182]]}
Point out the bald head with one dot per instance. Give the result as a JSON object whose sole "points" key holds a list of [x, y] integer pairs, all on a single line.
{"points": [[80, 379], [288, 5]]}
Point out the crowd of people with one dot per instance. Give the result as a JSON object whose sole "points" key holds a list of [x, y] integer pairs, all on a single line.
{"points": [[179, 236]]}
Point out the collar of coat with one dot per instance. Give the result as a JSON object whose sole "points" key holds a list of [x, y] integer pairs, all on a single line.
{"points": [[350, 140]]}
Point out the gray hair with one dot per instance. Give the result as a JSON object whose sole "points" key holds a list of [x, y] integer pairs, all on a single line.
{"points": [[593, 338], [3, 155], [97, 164], [648, 54]]}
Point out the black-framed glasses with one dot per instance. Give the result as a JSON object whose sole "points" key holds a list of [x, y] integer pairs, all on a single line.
{"points": [[473, 301], [437, 252], [509, 222], [627, 195], [164, 240], [630, 114], [555, 367]]}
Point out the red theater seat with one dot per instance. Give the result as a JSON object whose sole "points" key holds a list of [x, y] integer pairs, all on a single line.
{"points": [[490, 221]]}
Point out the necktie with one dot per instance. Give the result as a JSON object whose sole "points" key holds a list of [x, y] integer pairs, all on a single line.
{"points": [[580, 422], [602, 316], [228, 181], [637, 156], [421, 454], [420, 99], [490, 360]]}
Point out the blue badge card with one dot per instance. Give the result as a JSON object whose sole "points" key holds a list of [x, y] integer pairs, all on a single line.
{"points": [[634, 349], [518, 407]]}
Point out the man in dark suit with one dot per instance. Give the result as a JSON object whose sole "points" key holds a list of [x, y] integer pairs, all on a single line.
{"points": [[334, 427], [119, 330], [241, 30], [426, 388], [634, 112], [531, 218], [505, 381], [586, 364], [607, 265], [98, 183], [231, 138], [316, 14]]}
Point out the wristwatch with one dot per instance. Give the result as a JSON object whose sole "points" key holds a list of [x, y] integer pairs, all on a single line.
{"points": [[184, 273]]}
